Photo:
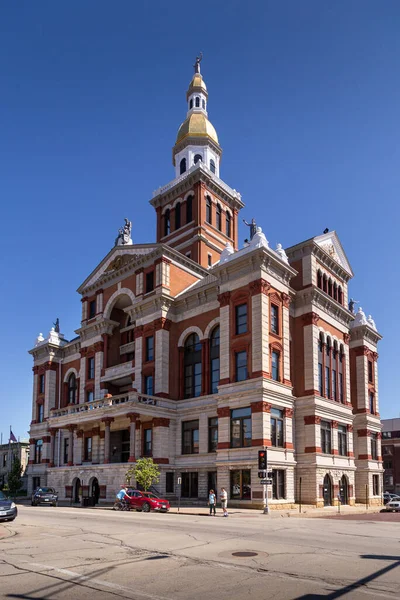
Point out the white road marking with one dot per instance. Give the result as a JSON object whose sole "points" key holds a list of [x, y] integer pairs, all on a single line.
{"points": [[115, 586]]}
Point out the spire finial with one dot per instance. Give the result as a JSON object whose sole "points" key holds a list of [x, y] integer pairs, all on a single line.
{"points": [[196, 65]]}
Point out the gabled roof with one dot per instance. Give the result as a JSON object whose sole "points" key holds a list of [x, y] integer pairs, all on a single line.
{"points": [[330, 243]]}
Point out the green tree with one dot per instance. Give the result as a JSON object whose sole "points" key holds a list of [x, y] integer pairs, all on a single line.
{"points": [[146, 472], [14, 477]]}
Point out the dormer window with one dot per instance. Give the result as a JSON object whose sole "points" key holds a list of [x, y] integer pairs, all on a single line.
{"points": [[182, 166], [197, 102], [197, 157]]}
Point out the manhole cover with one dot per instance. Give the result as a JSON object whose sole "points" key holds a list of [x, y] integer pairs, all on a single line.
{"points": [[244, 554]]}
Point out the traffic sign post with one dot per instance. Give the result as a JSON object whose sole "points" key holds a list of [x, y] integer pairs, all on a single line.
{"points": [[263, 467], [179, 495]]}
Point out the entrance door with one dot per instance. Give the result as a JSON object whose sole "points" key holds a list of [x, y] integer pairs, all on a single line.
{"points": [[344, 490], [212, 481], [77, 491], [190, 485], [95, 490], [327, 491]]}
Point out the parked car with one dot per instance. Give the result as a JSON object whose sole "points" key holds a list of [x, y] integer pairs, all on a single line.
{"points": [[8, 510], [146, 501], [387, 496], [393, 506], [44, 495]]}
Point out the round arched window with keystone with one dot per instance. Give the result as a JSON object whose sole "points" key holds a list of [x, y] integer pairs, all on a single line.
{"points": [[197, 158]]}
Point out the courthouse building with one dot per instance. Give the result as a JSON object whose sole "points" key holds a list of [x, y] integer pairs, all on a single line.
{"points": [[199, 351]]}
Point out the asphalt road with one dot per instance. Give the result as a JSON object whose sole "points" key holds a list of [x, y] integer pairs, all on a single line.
{"points": [[68, 553]]}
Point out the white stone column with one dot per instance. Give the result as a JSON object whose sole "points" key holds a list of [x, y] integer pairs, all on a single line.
{"points": [[286, 338], [107, 422], [99, 362], [376, 383], [99, 301], [133, 417], [162, 353], [84, 310], [82, 380], [138, 357], [71, 429], [311, 337], [50, 389], [224, 428], [260, 326], [362, 381], [335, 437], [346, 373], [34, 394], [203, 433], [139, 282], [224, 374], [160, 440]]}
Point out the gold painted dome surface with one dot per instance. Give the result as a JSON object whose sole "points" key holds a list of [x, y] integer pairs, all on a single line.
{"points": [[197, 82], [197, 125]]}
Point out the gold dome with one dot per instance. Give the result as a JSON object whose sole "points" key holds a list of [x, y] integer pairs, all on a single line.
{"points": [[197, 83], [197, 125]]}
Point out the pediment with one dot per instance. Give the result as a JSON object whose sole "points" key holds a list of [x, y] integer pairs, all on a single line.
{"points": [[118, 258], [329, 242]]}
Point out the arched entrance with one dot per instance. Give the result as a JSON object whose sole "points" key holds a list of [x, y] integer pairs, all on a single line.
{"points": [[76, 491], [94, 490], [327, 490], [344, 490]]}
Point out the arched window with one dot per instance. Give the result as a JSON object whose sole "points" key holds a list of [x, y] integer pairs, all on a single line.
{"points": [[192, 367], [319, 279], [325, 283], [228, 224], [191, 103], [38, 451], [178, 215], [189, 209], [330, 292], [167, 222], [218, 219], [214, 360], [197, 102], [334, 370], [208, 209], [203, 103], [340, 377], [197, 157], [212, 166], [328, 368], [72, 389], [340, 295], [335, 291], [182, 166], [321, 364]]}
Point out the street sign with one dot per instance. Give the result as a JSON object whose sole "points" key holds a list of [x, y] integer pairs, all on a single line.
{"points": [[266, 481], [179, 480]]}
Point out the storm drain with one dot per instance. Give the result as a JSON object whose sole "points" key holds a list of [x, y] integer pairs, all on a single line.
{"points": [[244, 554]]}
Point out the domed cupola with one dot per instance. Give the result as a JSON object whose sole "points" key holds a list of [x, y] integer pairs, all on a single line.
{"points": [[197, 139]]}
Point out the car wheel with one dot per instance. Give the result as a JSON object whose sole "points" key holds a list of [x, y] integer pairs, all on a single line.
{"points": [[146, 507], [33, 503]]}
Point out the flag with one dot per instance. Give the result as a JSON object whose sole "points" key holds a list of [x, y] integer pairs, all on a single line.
{"points": [[12, 437]]}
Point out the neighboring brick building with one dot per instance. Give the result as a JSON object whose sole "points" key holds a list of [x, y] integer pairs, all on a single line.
{"points": [[391, 455], [198, 353], [7, 453]]}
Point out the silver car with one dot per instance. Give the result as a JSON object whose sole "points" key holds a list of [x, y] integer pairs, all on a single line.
{"points": [[8, 510], [393, 506]]}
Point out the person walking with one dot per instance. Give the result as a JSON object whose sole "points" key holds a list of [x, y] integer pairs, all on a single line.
{"points": [[224, 501], [212, 501]]}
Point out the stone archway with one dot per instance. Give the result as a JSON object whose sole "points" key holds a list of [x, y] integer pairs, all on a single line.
{"points": [[94, 490], [327, 489], [76, 490], [344, 489]]}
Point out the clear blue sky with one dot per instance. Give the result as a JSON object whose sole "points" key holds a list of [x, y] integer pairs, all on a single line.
{"points": [[305, 97]]}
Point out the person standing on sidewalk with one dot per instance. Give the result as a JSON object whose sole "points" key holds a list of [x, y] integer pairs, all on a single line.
{"points": [[212, 500], [224, 501]]}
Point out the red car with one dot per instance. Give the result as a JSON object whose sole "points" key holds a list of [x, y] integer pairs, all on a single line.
{"points": [[146, 501]]}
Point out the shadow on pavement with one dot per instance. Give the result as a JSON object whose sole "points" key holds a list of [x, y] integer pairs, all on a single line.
{"points": [[357, 584]]}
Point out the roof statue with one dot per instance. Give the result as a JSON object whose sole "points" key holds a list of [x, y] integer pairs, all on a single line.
{"points": [[281, 253], [196, 65], [351, 305], [57, 325], [253, 227], [226, 253], [360, 319], [124, 234], [259, 240], [39, 339], [371, 322]]}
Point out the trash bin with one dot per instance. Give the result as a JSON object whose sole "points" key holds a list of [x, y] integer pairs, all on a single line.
{"points": [[85, 502]]}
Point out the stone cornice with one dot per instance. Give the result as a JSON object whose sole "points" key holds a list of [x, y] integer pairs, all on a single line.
{"points": [[317, 299], [311, 247], [364, 332], [101, 327]]}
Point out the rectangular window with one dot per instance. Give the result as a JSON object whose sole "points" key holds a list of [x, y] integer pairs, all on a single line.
{"points": [[40, 413], [89, 396], [326, 437], [66, 447], [241, 485], [241, 428], [90, 368], [88, 449], [374, 446], [148, 385], [92, 309], [209, 260], [387, 464], [149, 282], [278, 484], [370, 371], [277, 427], [150, 348], [275, 357], [274, 319], [342, 440], [214, 375], [241, 318], [372, 403], [320, 380], [38, 451], [147, 442], [190, 437], [41, 384], [375, 485], [327, 383], [4, 462], [213, 434], [169, 482], [241, 365], [193, 380]]}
